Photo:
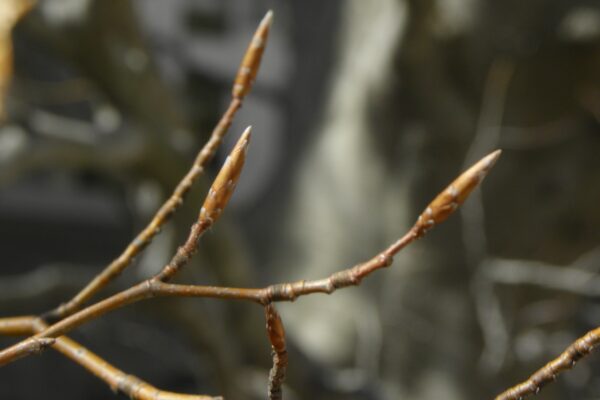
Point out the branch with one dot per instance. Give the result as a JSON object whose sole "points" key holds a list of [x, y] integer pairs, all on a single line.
{"points": [[218, 196], [118, 380], [437, 211], [575, 352], [35, 345], [276, 334], [17, 326], [242, 85]]}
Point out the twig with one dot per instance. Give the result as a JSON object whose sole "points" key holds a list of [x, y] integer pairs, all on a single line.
{"points": [[437, 211], [218, 197], [276, 334], [575, 352], [17, 326], [242, 85], [118, 380], [34, 346]]}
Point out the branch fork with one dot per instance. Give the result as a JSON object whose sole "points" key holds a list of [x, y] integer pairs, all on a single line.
{"points": [[219, 194], [73, 313]]}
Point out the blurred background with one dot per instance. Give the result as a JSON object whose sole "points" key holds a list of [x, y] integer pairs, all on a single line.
{"points": [[362, 112]]}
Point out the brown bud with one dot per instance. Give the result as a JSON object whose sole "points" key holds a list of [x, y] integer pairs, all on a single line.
{"points": [[275, 328], [251, 61], [455, 194], [224, 184]]}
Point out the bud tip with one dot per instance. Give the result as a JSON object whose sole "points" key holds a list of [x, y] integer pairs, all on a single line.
{"points": [[245, 138], [268, 18], [489, 161]]}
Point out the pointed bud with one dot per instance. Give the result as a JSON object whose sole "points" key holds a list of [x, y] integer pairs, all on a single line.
{"points": [[455, 194], [251, 61], [224, 184]]}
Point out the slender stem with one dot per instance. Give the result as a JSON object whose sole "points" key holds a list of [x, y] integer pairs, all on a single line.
{"points": [[292, 290], [218, 196], [575, 352], [143, 239], [156, 287], [33, 345], [118, 380], [242, 84], [184, 253], [17, 326], [121, 299], [437, 211], [276, 335]]}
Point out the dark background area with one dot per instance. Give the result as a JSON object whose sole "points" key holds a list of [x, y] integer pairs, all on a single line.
{"points": [[361, 113]]}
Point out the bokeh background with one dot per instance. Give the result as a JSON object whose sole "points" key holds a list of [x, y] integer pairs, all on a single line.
{"points": [[362, 112]]}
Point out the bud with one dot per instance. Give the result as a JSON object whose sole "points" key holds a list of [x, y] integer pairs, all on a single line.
{"points": [[455, 194], [224, 184], [251, 61]]}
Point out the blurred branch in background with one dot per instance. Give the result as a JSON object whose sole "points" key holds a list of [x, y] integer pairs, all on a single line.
{"points": [[10, 13], [487, 136]]}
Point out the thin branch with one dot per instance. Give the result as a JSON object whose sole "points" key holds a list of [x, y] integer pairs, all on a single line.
{"points": [[437, 211], [575, 352], [571, 279], [242, 85], [289, 291], [276, 334], [118, 380], [17, 326], [20, 350], [34, 345], [218, 197]]}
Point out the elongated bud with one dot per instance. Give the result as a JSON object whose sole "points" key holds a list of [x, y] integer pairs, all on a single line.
{"points": [[251, 61], [11, 11], [455, 194], [275, 328], [224, 184]]}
